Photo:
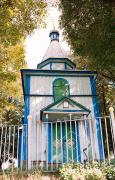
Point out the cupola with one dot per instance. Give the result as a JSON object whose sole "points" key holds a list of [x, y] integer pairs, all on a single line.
{"points": [[54, 35], [55, 57]]}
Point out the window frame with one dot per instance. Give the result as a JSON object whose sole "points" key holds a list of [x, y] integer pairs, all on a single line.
{"points": [[68, 88]]}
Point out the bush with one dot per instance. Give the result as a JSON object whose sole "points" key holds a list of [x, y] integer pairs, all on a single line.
{"points": [[88, 171], [109, 172], [94, 174]]}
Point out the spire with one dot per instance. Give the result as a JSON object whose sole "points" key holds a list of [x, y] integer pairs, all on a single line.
{"points": [[54, 50]]}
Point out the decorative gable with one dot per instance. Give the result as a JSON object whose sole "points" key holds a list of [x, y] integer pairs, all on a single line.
{"points": [[65, 105]]}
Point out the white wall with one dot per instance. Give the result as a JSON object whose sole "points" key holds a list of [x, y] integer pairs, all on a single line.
{"points": [[58, 66], [44, 85]]}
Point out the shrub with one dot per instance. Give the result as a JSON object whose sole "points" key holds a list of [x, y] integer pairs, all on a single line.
{"points": [[109, 172], [94, 171], [94, 174]]}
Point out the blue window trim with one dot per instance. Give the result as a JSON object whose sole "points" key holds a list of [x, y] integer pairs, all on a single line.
{"points": [[54, 83], [97, 114]]}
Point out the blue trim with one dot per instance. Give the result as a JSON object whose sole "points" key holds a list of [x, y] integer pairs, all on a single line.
{"points": [[60, 110], [97, 114], [63, 142], [26, 113], [48, 95], [58, 71], [27, 100], [59, 60], [66, 74], [78, 143]]}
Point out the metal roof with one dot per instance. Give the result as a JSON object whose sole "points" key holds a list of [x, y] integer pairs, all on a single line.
{"points": [[54, 50]]}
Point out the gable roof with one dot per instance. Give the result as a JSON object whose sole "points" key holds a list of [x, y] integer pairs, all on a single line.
{"points": [[77, 107]]}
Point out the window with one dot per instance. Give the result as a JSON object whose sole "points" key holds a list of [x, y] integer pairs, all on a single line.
{"points": [[61, 88]]}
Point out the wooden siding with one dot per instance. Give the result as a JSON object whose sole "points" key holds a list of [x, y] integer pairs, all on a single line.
{"points": [[58, 66], [44, 85]]}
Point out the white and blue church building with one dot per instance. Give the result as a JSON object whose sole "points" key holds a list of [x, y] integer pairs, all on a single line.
{"points": [[61, 111]]}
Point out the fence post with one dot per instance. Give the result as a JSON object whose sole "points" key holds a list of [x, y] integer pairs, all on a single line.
{"points": [[29, 142], [112, 119]]}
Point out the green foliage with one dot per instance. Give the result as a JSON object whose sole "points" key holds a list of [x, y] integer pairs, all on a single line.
{"points": [[109, 172], [88, 171], [89, 28], [11, 60], [13, 112], [18, 19]]}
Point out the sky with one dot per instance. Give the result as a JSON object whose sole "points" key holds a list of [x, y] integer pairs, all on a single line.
{"points": [[37, 43]]}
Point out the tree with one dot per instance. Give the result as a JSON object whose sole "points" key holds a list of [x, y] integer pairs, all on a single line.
{"points": [[88, 27], [18, 19], [12, 59]]}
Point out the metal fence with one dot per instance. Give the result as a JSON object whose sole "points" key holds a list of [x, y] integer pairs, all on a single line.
{"points": [[11, 147], [69, 146]]}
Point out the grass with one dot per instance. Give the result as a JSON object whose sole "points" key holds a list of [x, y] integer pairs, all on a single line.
{"points": [[34, 175]]}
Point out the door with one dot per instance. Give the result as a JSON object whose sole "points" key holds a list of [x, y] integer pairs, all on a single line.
{"points": [[63, 142]]}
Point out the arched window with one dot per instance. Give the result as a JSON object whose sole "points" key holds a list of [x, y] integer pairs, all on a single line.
{"points": [[60, 88]]}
